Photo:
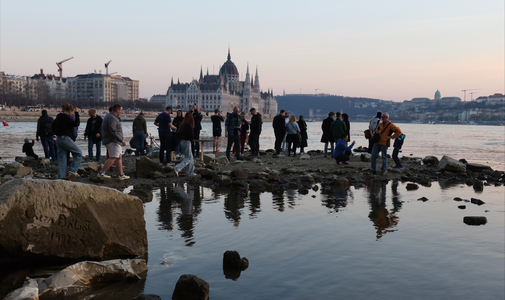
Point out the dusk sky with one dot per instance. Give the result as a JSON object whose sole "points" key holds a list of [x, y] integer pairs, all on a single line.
{"points": [[391, 50]]}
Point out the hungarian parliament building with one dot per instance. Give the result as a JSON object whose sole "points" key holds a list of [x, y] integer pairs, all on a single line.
{"points": [[223, 91]]}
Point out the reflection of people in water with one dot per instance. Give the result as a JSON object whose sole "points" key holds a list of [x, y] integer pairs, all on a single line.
{"points": [[188, 201], [255, 204], [383, 220], [278, 199], [233, 203]]}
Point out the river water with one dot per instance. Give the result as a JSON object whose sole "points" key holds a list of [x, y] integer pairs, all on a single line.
{"points": [[374, 242]]}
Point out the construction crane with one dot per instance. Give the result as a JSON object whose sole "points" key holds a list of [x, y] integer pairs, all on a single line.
{"points": [[317, 90], [471, 95], [60, 68], [107, 67], [464, 91]]}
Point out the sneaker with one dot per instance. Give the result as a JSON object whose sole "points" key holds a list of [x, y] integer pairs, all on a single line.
{"points": [[102, 175], [338, 163], [176, 173], [123, 177], [384, 173], [345, 163], [398, 167], [218, 151]]}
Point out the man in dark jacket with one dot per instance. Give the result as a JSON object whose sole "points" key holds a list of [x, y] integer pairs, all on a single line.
{"points": [[254, 135], [232, 132], [63, 127], [279, 125], [327, 137], [45, 133], [92, 132], [197, 115]]}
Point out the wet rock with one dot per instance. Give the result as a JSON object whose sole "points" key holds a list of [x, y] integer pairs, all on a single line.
{"points": [[261, 175], [457, 199], [90, 166], [463, 161], [145, 194], [77, 278], [477, 201], [29, 291], [315, 188], [223, 179], [146, 167], [478, 186], [462, 206], [424, 199], [431, 160], [63, 219], [292, 186], [240, 174], [44, 162], [209, 157], [206, 173], [366, 157], [190, 287], [232, 260], [477, 167], [412, 186], [259, 186], [475, 220], [450, 164]]}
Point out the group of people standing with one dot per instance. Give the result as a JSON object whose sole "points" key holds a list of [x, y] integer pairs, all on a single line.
{"points": [[289, 133], [65, 127]]}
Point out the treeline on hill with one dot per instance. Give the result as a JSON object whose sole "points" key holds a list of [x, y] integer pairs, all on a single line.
{"points": [[321, 105]]}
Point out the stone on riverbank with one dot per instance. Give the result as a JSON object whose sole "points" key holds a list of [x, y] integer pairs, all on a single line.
{"points": [[475, 220], [431, 160], [450, 164], [63, 219], [477, 167], [77, 278], [232, 260], [145, 167], [190, 287]]}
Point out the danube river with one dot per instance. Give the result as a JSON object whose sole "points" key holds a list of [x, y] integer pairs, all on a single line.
{"points": [[377, 241], [475, 143]]}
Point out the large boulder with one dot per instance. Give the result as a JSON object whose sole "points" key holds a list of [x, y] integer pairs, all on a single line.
{"points": [[63, 219], [450, 164], [146, 167], [72, 281], [431, 160]]}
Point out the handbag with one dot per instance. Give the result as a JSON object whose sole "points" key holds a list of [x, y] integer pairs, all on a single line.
{"points": [[368, 135], [377, 136]]}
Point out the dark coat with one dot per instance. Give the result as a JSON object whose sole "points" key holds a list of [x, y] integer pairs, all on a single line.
{"points": [[279, 124], [91, 134], [303, 133], [326, 127]]}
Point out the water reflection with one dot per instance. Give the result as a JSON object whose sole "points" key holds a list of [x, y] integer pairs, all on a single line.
{"points": [[182, 203], [384, 221], [234, 202]]}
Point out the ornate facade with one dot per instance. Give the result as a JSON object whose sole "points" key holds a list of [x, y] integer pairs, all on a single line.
{"points": [[223, 91]]}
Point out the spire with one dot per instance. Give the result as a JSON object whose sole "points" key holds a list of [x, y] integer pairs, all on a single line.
{"points": [[201, 73], [178, 82], [172, 82], [229, 56], [207, 71]]}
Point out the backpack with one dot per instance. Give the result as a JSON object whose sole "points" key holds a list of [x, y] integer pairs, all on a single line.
{"points": [[48, 127]]}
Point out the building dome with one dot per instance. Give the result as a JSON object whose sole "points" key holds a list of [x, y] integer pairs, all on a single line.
{"points": [[437, 95], [228, 67]]}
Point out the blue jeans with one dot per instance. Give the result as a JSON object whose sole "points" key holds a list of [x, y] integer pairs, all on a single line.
{"points": [[98, 150], [64, 144], [140, 138], [48, 145], [332, 144], [375, 152], [165, 145], [188, 158]]}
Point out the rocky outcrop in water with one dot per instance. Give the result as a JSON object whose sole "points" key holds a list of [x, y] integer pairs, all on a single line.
{"points": [[450, 164], [190, 287], [63, 219]]}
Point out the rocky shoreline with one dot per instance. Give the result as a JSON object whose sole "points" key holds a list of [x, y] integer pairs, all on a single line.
{"points": [[268, 172]]}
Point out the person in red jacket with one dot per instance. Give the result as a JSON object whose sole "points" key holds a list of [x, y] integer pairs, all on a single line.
{"points": [[387, 131]]}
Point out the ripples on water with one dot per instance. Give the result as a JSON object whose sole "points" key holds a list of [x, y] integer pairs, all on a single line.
{"points": [[374, 242]]}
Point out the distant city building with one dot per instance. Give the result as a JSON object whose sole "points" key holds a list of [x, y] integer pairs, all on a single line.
{"points": [[496, 99], [437, 96], [223, 91], [102, 88]]}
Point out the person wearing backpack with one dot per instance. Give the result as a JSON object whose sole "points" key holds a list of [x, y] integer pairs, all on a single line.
{"points": [[92, 132], [46, 134]]}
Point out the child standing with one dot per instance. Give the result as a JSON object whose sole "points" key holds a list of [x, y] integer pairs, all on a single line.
{"points": [[397, 146]]}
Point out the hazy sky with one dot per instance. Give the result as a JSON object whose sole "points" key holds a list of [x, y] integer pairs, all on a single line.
{"points": [[388, 49]]}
